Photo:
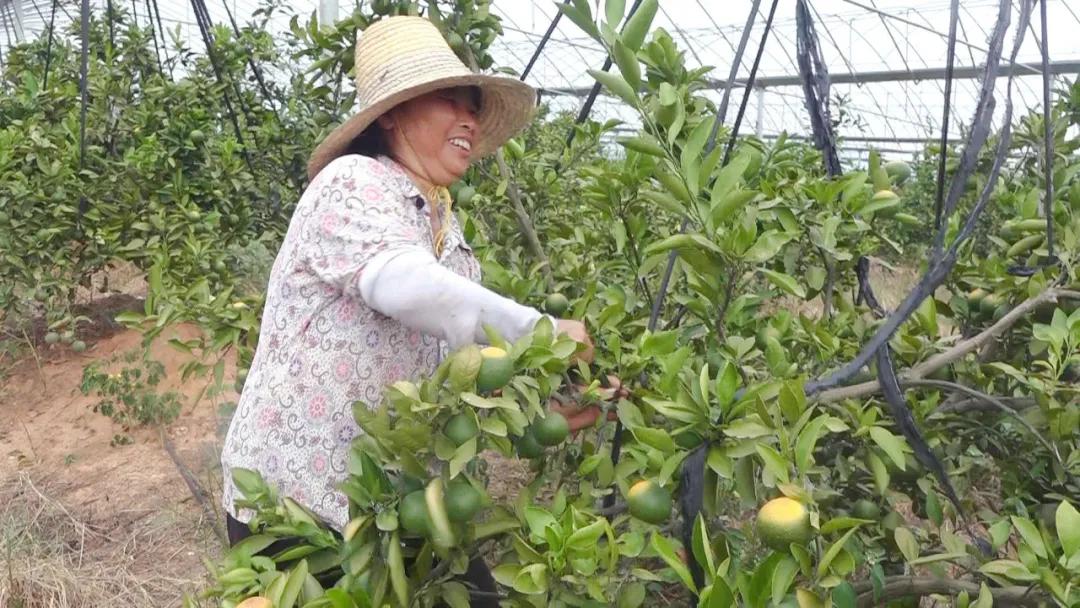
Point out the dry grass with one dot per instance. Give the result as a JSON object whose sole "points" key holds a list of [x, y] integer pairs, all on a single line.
{"points": [[51, 557]]}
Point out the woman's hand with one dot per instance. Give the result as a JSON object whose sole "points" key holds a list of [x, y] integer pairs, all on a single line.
{"points": [[583, 417], [576, 330]]}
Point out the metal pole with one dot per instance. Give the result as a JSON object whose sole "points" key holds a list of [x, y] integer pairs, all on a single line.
{"points": [[20, 34], [328, 12], [759, 123]]}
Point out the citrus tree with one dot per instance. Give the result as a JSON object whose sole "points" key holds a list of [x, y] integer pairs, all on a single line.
{"points": [[807, 497]]}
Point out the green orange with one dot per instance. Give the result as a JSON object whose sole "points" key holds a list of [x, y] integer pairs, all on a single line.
{"points": [[413, 513], [496, 369], [649, 502], [462, 501], [783, 521], [551, 430], [461, 428]]}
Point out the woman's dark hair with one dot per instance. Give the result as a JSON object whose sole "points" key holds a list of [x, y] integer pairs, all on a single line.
{"points": [[372, 143]]}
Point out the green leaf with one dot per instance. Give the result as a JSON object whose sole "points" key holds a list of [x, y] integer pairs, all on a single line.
{"points": [[747, 428], [456, 595], [702, 547], [843, 596], [717, 595], [664, 200], [614, 11], [767, 245], [792, 400], [637, 27], [774, 462], [892, 445], [783, 576], [879, 471], [582, 19], [986, 598], [1068, 528], [656, 438], [617, 85], [462, 456], [784, 282], [666, 550], [833, 550], [531, 579], [807, 441], [937, 557], [907, 543], [933, 508], [586, 537], [628, 65], [690, 156], [464, 366], [1008, 568], [842, 523], [631, 595], [1031, 535], [646, 144]]}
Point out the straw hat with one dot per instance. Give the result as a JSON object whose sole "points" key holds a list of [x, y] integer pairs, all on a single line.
{"points": [[399, 58]]}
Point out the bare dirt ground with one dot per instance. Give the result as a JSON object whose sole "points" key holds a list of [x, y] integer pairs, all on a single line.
{"points": [[84, 523]]}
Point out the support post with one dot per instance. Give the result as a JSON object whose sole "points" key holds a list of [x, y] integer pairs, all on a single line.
{"points": [[759, 122], [328, 12], [20, 34]]}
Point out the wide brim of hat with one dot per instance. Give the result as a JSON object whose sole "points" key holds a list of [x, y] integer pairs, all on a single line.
{"points": [[507, 107]]}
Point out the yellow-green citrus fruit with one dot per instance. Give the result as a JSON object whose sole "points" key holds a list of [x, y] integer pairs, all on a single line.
{"points": [[989, 304], [197, 136], [462, 501], [78, 346], [556, 304], [410, 483], [461, 428], [52, 337], [413, 513], [866, 509], [496, 369], [974, 297], [649, 502], [898, 171], [783, 521], [884, 195], [551, 429], [528, 446], [255, 602]]}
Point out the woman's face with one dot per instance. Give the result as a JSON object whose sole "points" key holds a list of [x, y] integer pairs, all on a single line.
{"points": [[433, 134]]}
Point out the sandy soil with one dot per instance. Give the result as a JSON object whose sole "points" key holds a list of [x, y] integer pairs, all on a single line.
{"points": [[128, 504]]}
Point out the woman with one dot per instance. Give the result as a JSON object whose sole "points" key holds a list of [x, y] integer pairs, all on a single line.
{"points": [[374, 282]]}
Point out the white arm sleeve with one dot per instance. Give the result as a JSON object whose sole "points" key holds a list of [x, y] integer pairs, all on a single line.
{"points": [[410, 286]]}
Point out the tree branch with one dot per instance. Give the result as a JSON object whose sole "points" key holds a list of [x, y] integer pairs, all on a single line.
{"points": [[902, 586], [524, 221], [952, 386], [957, 352], [965, 405]]}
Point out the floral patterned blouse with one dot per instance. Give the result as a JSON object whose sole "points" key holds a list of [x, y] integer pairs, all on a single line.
{"points": [[320, 346]]}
